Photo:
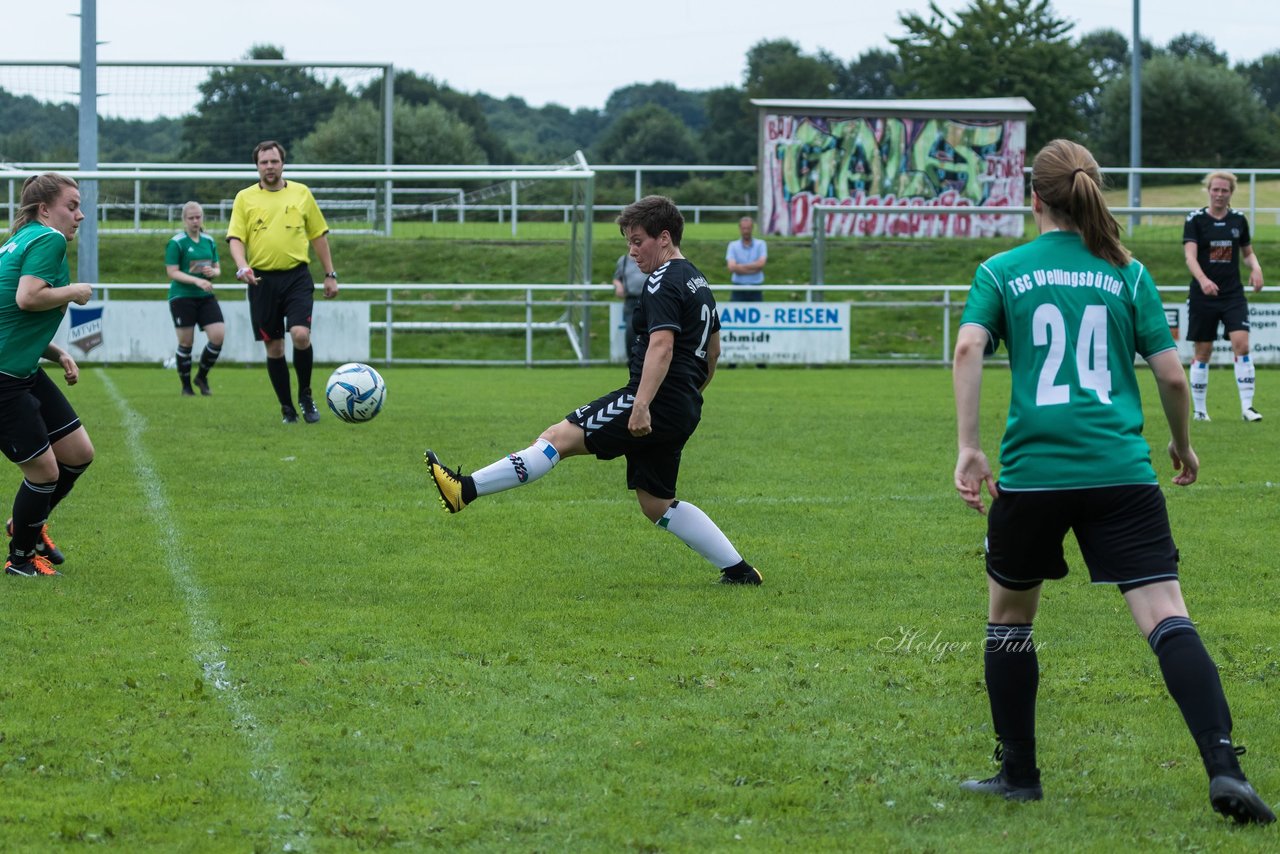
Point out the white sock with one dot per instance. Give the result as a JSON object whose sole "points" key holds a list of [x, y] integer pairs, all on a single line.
{"points": [[516, 469], [1244, 381], [699, 533], [1199, 384]]}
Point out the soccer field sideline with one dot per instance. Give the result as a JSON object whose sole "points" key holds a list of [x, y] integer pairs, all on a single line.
{"points": [[829, 504], [208, 650]]}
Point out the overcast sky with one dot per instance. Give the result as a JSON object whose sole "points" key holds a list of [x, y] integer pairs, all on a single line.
{"points": [[567, 52]]}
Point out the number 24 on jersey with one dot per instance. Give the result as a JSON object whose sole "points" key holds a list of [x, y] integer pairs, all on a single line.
{"points": [[1049, 329]]}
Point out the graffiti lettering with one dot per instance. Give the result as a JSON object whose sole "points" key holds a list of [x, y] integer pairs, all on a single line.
{"points": [[911, 164]]}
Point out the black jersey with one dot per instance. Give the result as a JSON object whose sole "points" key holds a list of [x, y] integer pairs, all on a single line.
{"points": [[677, 297], [1218, 243]]}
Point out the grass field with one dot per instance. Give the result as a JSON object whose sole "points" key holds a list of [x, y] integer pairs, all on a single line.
{"points": [[271, 638]]}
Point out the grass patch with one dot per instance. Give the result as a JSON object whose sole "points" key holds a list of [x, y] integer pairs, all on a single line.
{"points": [[270, 635]]}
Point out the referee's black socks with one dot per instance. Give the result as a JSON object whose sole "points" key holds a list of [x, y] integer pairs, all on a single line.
{"points": [[302, 366], [278, 371]]}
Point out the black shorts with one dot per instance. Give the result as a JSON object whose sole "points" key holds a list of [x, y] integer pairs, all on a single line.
{"points": [[195, 311], [653, 461], [1123, 533], [281, 300], [34, 414], [1204, 315]]}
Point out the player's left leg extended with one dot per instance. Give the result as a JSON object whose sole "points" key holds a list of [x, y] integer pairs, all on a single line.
{"points": [[1192, 679], [457, 490]]}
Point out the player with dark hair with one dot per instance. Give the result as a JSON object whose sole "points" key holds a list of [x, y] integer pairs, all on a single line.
{"points": [[649, 420], [1214, 239], [191, 262], [271, 225], [1073, 309], [39, 430]]}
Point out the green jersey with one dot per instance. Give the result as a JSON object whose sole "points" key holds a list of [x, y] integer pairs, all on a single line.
{"points": [[190, 256], [40, 251], [1072, 324]]}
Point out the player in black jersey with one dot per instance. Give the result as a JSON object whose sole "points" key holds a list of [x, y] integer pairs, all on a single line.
{"points": [[675, 344], [1214, 240]]}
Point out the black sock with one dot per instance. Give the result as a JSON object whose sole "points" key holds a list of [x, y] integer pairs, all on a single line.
{"points": [[1192, 680], [278, 370], [302, 361], [183, 356], [209, 358], [67, 476], [30, 510], [1013, 678]]}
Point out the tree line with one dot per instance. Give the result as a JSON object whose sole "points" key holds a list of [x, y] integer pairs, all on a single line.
{"points": [[1197, 108]]}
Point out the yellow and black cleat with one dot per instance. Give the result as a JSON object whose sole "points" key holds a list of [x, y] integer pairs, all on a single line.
{"points": [[449, 483]]}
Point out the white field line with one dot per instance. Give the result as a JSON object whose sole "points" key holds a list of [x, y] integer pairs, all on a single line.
{"points": [[209, 653]]}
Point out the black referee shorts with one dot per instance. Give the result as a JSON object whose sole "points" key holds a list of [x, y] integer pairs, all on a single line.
{"points": [[34, 413], [281, 300], [653, 460], [1123, 533]]}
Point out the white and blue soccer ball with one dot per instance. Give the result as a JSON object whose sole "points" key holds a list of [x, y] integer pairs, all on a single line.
{"points": [[355, 392]]}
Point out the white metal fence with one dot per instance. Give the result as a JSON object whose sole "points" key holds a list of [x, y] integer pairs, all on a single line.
{"points": [[577, 312], [451, 203]]}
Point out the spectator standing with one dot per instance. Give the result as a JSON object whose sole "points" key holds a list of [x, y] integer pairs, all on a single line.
{"points": [[628, 282], [746, 258]]}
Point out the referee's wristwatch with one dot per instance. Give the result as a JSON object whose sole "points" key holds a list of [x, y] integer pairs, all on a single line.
{"points": [[331, 275]]}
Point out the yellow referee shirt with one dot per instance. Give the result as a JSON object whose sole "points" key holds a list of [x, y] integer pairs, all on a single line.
{"points": [[276, 228]]}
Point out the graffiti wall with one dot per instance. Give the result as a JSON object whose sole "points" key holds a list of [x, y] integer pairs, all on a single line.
{"points": [[909, 163]]}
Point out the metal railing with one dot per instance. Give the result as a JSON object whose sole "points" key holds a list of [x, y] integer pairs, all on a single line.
{"points": [[456, 207], [530, 298], [574, 304]]}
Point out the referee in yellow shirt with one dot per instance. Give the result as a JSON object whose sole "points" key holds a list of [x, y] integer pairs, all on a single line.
{"points": [[271, 224]]}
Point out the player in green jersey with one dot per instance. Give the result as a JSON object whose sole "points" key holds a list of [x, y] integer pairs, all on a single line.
{"points": [[39, 431], [191, 262], [1073, 309]]}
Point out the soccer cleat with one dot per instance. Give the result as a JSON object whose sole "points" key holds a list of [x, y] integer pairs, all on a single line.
{"points": [[45, 546], [290, 414], [449, 483], [1200, 416], [1251, 414], [1237, 800], [309, 412], [749, 575], [1000, 786], [187, 391], [202, 382], [34, 567]]}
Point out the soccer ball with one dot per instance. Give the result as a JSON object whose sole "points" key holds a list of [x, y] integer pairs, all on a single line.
{"points": [[355, 392]]}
